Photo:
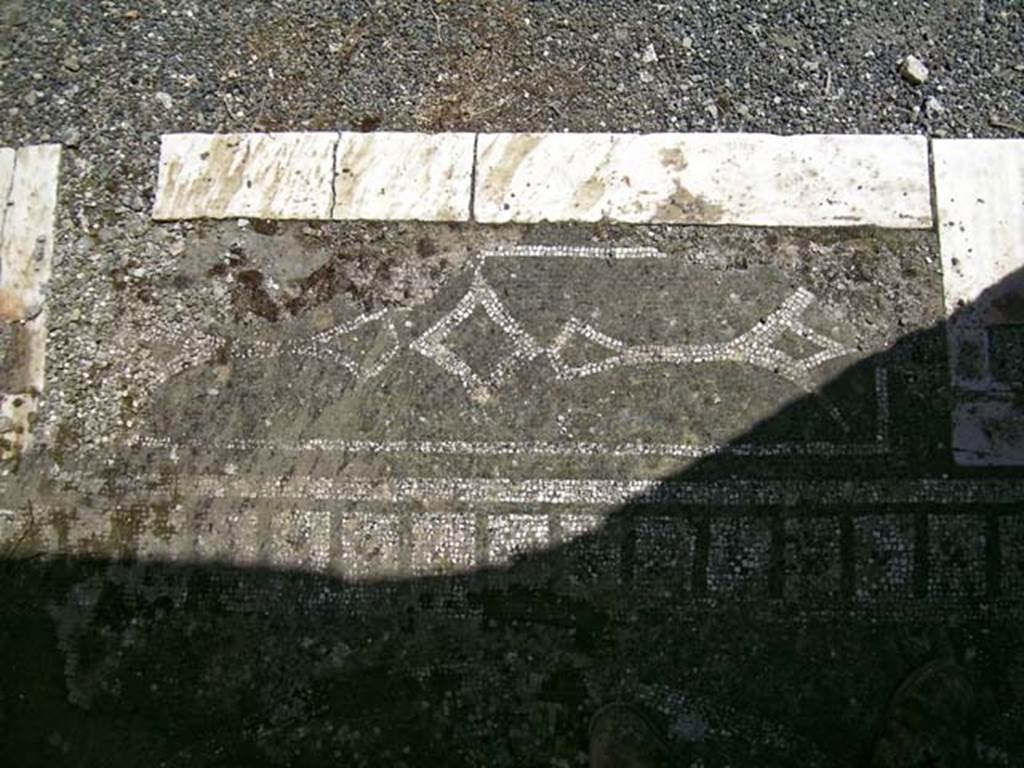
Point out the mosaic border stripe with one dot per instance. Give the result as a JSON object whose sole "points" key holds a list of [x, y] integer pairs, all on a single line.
{"points": [[880, 447], [528, 448], [550, 491]]}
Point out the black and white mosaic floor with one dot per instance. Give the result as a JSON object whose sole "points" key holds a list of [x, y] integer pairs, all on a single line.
{"points": [[439, 512]]}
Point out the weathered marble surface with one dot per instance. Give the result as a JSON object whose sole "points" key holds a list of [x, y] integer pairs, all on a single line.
{"points": [[750, 179], [979, 187], [258, 175], [412, 176], [28, 203], [28, 191]]}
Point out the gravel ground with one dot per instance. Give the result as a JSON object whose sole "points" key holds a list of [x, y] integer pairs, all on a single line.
{"points": [[105, 74]]}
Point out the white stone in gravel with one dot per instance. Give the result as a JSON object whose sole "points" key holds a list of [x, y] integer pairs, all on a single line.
{"points": [[745, 179], [165, 99], [412, 176], [979, 188], [913, 70], [257, 175]]}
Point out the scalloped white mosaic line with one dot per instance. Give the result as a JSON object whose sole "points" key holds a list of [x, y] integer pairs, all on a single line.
{"points": [[979, 187], [601, 253], [746, 179]]}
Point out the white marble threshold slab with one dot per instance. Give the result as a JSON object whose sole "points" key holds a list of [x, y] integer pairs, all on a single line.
{"points": [[742, 179], [28, 208], [28, 203], [366, 176], [236, 175], [404, 176], [979, 189]]}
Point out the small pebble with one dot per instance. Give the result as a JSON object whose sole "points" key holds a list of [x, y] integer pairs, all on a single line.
{"points": [[913, 70], [165, 100]]}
